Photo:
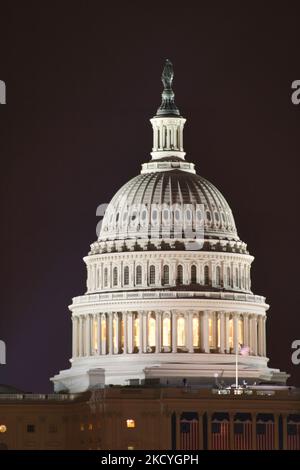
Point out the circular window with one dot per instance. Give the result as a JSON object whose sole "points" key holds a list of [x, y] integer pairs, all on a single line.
{"points": [[208, 216], [144, 215], [3, 428], [154, 215], [133, 216], [217, 216], [117, 217]]}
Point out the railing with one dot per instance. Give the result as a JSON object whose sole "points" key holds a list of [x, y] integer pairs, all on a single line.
{"points": [[38, 396], [90, 298]]}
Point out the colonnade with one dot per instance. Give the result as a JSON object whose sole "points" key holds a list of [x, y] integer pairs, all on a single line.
{"points": [[173, 331]]}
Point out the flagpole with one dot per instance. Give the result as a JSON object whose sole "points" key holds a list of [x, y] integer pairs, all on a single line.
{"points": [[236, 368]]}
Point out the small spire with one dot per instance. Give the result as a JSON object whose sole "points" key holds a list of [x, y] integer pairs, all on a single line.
{"points": [[168, 106]]}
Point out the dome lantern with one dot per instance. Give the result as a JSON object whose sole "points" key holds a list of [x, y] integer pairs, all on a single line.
{"points": [[167, 123]]}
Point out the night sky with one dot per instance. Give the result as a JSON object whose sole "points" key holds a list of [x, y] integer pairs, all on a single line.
{"points": [[82, 83]]}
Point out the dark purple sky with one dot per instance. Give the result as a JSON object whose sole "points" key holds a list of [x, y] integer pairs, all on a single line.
{"points": [[82, 83]]}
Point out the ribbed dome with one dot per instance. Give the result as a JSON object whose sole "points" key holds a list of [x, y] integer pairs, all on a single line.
{"points": [[161, 193]]}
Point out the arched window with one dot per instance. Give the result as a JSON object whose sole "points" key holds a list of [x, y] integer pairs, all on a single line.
{"points": [[166, 276], [138, 277], [218, 275], [180, 332], [206, 275], [193, 274], [115, 276], [105, 277], [179, 274], [126, 276], [152, 274], [166, 340], [228, 277], [237, 277]]}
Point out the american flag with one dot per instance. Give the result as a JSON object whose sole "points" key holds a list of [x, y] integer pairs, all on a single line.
{"points": [[244, 350], [220, 439], [243, 435], [265, 435], [189, 434], [293, 435]]}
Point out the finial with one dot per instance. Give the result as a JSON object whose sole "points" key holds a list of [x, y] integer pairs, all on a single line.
{"points": [[168, 106]]}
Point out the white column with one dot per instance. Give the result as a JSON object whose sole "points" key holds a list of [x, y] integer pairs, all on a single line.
{"points": [[130, 332], [116, 333], [254, 335], [99, 333], [103, 337], [264, 335], [88, 335], [94, 333], [174, 332], [205, 332], [157, 332], [246, 329], [141, 335], [227, 347], [235, 333], [80, 349], [145, 331], [125, 331], [110, 332], [74, 336], [168, 137], [222, 332], [190, 332]]}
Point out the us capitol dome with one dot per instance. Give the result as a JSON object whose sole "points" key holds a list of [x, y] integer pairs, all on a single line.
{"points": [[168, 280]]}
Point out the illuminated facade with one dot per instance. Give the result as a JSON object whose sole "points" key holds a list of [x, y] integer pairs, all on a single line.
{"points": [[168, 280]]}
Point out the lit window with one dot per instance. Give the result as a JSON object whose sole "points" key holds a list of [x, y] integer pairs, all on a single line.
{"points": [[181, 332], [151, 329], [241, 331], [196, 332], [210, 332], [130, 423], [136, 332], [90, 427], [166, 332], [231, 333], [82, 427], [130, 448], [95, 335], [3, 428]]}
